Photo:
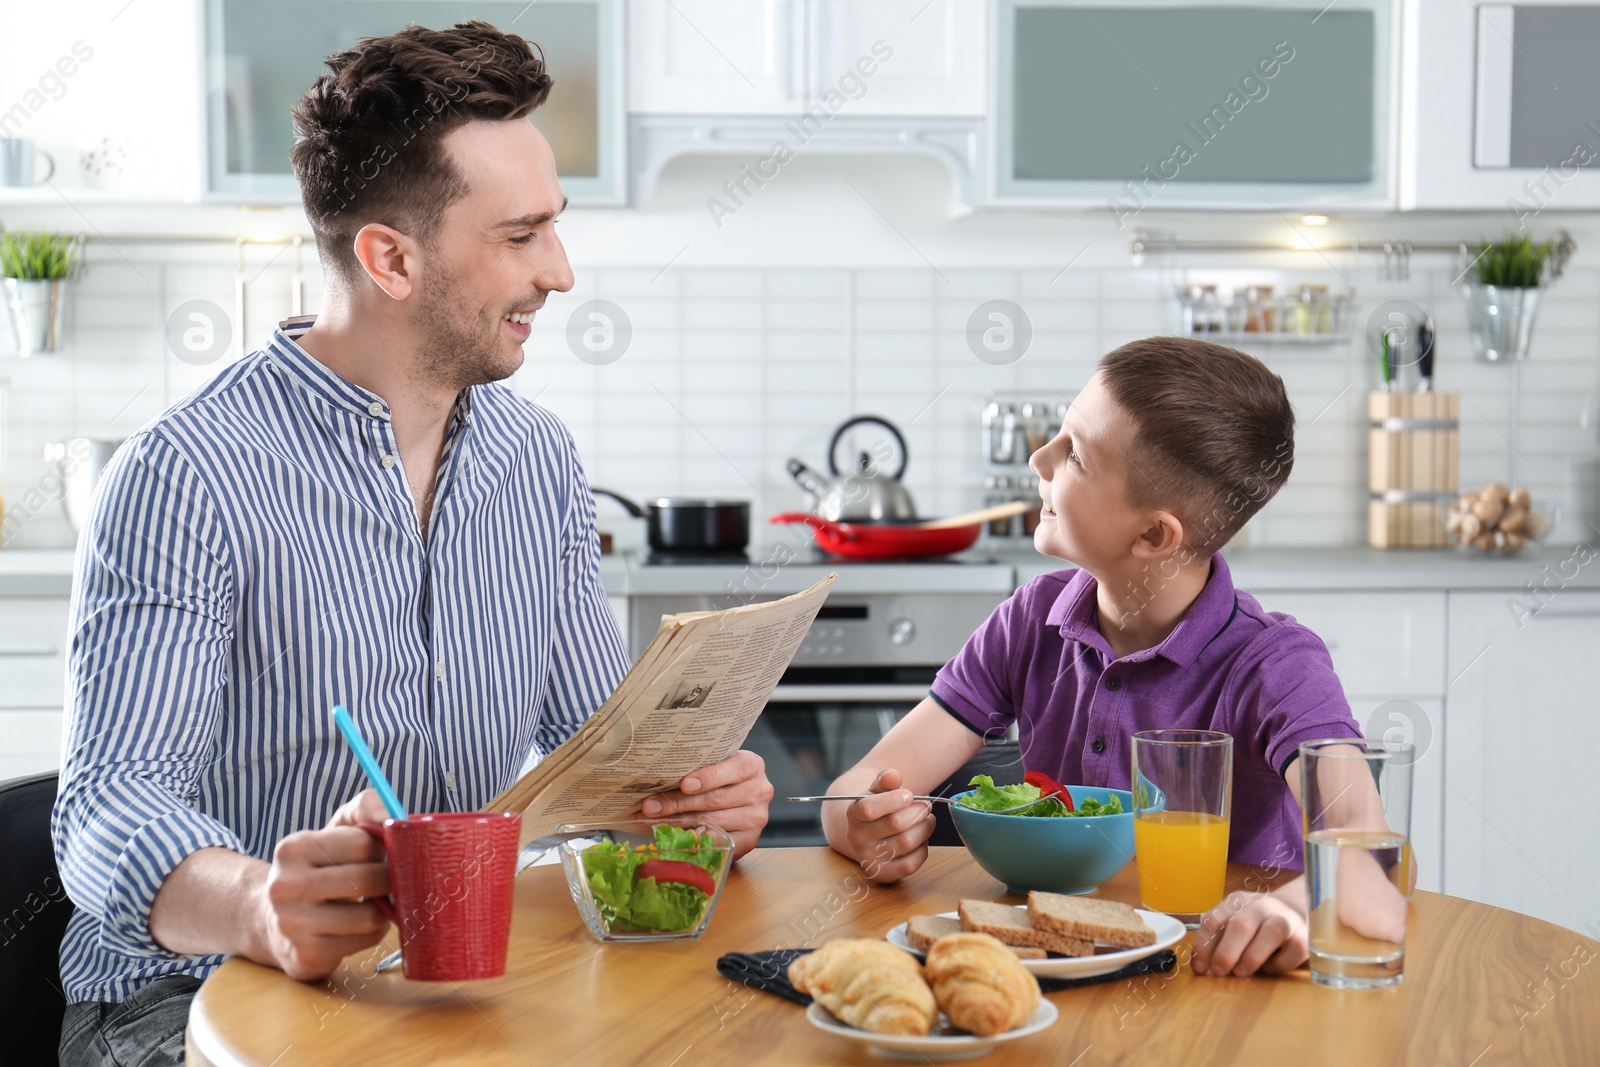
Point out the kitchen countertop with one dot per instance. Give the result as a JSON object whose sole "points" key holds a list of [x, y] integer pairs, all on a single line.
{"points": [[48, 572], [1375, 570]]}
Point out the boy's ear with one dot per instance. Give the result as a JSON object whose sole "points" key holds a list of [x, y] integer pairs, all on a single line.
{"points": [[1162, 536]]}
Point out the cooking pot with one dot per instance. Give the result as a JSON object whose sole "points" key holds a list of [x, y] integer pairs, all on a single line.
{"points": [[686, 524], [885, 540], [866, 493], [78, 462]]}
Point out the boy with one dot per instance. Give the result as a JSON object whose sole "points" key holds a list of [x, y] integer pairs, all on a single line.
{"points": [[1162, 457]]}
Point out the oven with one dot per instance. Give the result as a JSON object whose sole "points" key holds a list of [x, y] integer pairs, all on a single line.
{"points": [[867, 661]]}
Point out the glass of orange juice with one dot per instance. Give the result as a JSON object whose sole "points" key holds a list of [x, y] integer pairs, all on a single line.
{"points": [[1182, 799]]}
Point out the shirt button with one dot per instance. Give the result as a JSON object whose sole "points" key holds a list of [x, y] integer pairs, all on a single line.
{"points": [[1099, 744], [389, 461], [438, 669], [374, 409], [1113, 683], [450, 780]]}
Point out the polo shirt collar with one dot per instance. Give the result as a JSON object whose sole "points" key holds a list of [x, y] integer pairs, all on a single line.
{"points": [[1077, 612], [317, 378]]}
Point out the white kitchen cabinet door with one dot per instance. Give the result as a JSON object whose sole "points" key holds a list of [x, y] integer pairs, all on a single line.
{"points": [[33, 651], [723, 57], [938, 56], [1383, 645], [1445, 42], [781, 57], [30, 742], [1524, 755]]}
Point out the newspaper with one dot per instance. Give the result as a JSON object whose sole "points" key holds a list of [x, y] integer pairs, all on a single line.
{"points": [[689, 701]]}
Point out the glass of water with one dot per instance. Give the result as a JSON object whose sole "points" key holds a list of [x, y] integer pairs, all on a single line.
{"points": [[1356, 796]]}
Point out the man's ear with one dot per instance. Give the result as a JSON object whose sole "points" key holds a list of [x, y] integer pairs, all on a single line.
{"points": [[1161, 537], [389, 257]]}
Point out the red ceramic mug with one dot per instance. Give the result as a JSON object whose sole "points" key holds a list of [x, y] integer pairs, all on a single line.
{"points": [[451, 876]]}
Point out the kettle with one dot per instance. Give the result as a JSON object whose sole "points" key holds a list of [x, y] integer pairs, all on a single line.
{"points": [[77, 464], [866, 493]]}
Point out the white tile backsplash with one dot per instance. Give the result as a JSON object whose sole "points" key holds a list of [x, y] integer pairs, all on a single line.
{"points": [[732, 371]]}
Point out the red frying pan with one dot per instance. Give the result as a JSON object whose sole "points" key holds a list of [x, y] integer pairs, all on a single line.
{"points": [[885, 540]]}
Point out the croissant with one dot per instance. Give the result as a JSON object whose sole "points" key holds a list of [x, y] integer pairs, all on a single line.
{"points": [[870, 985], [980, 984]]}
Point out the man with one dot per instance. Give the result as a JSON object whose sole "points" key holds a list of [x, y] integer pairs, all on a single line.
{"points": [[354, 514]]}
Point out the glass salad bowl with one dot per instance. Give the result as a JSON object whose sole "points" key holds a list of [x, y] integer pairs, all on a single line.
{"points": [[646, 881]]}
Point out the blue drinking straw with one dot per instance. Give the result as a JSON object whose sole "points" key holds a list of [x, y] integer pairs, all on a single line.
{"points": [[341, 719]]}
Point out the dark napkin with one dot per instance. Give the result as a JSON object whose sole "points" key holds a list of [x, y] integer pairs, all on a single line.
{"points": [[769, 971]]}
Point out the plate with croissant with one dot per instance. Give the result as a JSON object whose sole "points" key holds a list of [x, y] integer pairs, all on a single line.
{"points": [[971, 994], [1054, 936]]}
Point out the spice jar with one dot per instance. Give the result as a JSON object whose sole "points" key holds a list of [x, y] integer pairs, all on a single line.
{"points": [[1030, 518], [999, 491], [1313, 311], [1259, 315]]}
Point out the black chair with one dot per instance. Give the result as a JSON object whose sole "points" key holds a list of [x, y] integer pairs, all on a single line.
{"points": [[1000, 760], [33, 915]]}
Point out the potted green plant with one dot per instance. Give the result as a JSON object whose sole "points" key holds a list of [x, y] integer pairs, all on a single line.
{"points": [[35, 267], [1503, 295]]}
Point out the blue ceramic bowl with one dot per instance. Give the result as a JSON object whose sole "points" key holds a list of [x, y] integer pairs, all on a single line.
{"points": [[1054, 855]]}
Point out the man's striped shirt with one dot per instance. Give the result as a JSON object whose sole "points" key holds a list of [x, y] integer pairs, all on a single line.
{"points": [[253, 557]]}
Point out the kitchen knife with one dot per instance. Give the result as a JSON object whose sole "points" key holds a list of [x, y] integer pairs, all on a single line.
{"points": [[1425, 355]]}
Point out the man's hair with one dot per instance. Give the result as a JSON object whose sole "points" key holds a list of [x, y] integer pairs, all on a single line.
{"points": [[367, 136], [1213, 433]]}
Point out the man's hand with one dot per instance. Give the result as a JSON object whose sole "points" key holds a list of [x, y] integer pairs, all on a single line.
{"points": [[888, 833], [1254, 933], [732, 794], [310, 907]]}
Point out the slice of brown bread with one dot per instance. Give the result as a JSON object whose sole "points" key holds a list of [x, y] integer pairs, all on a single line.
{"points": [[923, 930], [1011, 926], [1090, 919]]}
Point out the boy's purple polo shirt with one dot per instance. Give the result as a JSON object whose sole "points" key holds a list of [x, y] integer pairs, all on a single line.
{"points": [[1041, 661]]}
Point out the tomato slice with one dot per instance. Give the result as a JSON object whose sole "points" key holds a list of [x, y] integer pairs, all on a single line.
{"points": [[1049, 786], [679, 871]]}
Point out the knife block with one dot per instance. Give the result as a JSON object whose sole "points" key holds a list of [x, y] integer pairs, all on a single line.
{"points": [[1414, 462]]}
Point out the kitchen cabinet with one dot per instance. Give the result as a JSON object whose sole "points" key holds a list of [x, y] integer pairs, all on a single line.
{"points": [[33, 652], [783, 57], [1383, 644], [33, 645], [1280, 104], [1523, 753], [261, 57], [30, 741], [1468, 140]]}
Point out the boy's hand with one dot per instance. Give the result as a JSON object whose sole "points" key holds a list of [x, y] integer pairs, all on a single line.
{"points": [[1254, 933], [888, 833]]}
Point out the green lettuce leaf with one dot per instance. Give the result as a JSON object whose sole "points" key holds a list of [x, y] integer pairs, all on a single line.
{"points": [[990, 797], [639, 905]]}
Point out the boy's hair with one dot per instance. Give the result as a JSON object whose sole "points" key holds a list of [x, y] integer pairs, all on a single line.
{"points": [[1213, 433], [368, 135]]}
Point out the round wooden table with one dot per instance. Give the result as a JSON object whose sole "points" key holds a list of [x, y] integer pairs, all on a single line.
{"points": [[1483, 986]]}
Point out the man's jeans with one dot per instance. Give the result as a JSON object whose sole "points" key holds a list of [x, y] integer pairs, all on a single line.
{"points": [[146, 1030]]}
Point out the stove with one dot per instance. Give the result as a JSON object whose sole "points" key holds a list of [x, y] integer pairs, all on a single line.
{"points": [[884, 632]]}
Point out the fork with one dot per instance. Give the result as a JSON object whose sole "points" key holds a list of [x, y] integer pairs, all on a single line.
{"points": [[931, 800]]}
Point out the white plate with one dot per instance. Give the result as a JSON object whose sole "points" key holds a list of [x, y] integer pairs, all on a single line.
{"points": [[1169, 932], [937, 1047]]}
